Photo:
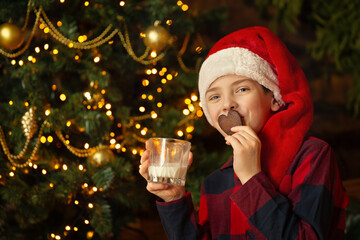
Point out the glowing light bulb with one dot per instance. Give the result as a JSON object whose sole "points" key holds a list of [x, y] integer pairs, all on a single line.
{"points": [[184, 7], [96, 59], [62, 97], [47, 112], [169, 77], [153, 54], [186, 112], [122, 3], [145, 82], [153, 115], [43, 139], [50, 139], [190, 129], [191, 107], [180, 133]]}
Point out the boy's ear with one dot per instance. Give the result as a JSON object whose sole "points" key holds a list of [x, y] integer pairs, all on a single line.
{"points": [[275, 106]]}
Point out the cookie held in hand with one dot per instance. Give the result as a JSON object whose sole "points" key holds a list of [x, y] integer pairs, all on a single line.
{"points": [[231, 120]]}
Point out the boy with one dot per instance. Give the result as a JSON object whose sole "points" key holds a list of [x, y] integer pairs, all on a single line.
{"points": [[279, 184]]}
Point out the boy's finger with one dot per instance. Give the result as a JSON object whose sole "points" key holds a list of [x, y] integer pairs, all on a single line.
{"points": [[143, 169], [153, 187], [190, 160], [145, 156]]}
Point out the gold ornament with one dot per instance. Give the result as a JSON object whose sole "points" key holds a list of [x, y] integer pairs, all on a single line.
{"points": [[101, 157], [156, 37], [28, 123], [11, 36]]}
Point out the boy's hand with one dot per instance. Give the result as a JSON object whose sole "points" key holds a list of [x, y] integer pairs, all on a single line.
{"points": [[247, 147], [164, 191]]}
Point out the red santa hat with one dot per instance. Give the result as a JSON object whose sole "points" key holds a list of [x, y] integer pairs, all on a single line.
{"points": [[259, 54]]}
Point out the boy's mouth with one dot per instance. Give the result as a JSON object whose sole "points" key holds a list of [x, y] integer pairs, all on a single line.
{"points": [[232, 119]]}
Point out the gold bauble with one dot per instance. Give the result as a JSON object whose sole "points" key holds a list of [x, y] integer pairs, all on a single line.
{"points": [[101, 157], [156, 38], [11, 36]]}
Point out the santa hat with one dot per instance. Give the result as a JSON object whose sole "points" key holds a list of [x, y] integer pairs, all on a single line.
{"points": [[259, 54]]}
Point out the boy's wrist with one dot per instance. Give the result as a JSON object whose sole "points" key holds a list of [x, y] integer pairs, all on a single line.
{"points": [[246, 177]]}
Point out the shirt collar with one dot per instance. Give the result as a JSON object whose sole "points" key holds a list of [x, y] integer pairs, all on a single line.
{"points": [[228, 164]]}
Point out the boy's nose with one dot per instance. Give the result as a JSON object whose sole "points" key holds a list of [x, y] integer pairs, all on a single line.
{"points": [[229, 104]]}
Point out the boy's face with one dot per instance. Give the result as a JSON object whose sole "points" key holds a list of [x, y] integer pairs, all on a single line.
{"points": [[244, 95]]}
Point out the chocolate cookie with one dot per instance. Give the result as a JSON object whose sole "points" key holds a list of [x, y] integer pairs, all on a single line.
{"points": [[231, 120]]}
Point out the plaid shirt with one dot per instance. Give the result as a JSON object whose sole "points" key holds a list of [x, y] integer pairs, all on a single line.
{"points": [[309, 203]]}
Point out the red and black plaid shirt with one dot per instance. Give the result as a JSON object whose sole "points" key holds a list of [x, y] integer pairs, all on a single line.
{"points": [[309, 203]]}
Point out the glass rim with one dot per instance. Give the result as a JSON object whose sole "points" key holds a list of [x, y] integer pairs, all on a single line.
{"points": [[168, 139]]}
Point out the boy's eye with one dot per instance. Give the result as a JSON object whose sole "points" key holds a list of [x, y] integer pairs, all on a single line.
{"points": [[214, 97], [243, 89]]}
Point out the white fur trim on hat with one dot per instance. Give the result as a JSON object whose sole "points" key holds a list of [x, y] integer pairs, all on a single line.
{"points": [[239, 61]]}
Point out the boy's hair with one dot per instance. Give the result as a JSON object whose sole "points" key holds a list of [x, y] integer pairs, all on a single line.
{"points": [[266, 90]]}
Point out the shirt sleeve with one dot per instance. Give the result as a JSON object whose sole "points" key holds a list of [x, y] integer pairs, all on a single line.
{"points": [[179, 220], [313, 209]]}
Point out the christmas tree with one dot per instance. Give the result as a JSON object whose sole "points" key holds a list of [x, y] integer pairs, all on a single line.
{"points": [[83, 85]]}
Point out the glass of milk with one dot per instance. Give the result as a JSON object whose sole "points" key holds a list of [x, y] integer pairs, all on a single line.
{"points": [[168, 160]]}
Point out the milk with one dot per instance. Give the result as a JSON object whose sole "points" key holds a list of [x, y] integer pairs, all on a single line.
{"points": [[168, 174]]}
